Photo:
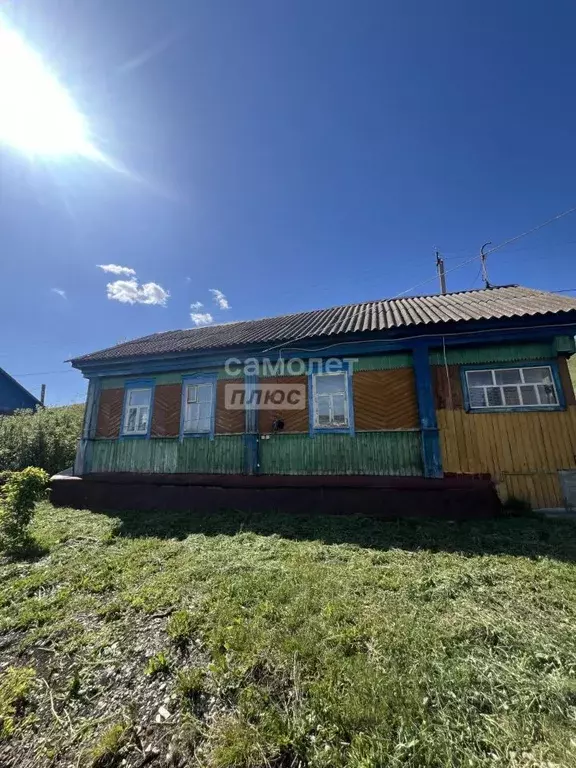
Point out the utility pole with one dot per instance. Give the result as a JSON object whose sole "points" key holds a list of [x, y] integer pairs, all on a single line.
{"points": [[483, 263], [42, 394], [441, 272]]}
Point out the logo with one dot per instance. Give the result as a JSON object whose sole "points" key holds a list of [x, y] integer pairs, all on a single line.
{"points": [[266, 397]]}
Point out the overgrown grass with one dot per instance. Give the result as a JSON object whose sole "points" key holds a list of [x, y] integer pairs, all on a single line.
{"points": [[290, 641], [45, 438]]}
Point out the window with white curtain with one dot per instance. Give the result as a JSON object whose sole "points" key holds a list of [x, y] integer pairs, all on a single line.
{"points": [[330, 394], [137, 411]]}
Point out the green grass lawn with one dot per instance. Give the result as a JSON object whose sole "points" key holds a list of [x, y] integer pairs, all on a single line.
{"points": [[271, 640]]}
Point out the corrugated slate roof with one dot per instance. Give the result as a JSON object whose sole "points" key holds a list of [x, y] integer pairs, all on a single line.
{"points": [[387, 314]]}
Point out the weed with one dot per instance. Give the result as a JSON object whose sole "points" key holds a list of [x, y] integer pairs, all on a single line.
{"points": [[107, 752], [157, 665], [180, 628], [15, 688]]}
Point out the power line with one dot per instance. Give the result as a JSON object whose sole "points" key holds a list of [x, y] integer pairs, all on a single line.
{"points": [[496, 248]]}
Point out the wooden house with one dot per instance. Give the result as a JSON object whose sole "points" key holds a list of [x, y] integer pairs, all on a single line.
{"points": [[418, 392]]}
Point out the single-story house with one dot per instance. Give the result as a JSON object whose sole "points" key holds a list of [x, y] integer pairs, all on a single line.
{"points": [[425, 389], [13, 395]]}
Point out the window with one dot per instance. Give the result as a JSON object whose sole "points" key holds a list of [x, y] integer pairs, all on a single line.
{"points": [[198, 404], [330, 401], [137, 410], [512, 388]]}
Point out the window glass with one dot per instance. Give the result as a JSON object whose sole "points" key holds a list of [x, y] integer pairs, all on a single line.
{"points": [[477, 397], [477, 378], [529, 396], [494, 396], [330, 400], [507, 376], [512, 395], [131, 424], [547, 394], [328, 383], [198, 414], [537, 376], [138, 396]]}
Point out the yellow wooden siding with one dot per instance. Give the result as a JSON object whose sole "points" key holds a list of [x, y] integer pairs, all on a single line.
{"points": [[522, 451]]}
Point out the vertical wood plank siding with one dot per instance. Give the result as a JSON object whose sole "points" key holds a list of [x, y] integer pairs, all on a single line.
{"points": [[110, 413], [522, 451], [385, 399], [366, 453], [223, 455], [166, 410], [227, 421], [294, 420]]}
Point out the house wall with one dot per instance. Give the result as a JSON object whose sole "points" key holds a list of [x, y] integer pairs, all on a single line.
{"points": [[522, 451], [386, 441], [13, 396]]}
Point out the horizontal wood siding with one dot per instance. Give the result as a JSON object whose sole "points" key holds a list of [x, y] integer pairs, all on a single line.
{"points": [[366, 453], [166, 410], [294, 420], [228, 421], [385, 399], [522, 451], [109, 413]]}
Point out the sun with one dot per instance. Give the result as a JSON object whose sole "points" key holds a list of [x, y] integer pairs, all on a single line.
{"points": [[37, 115]]}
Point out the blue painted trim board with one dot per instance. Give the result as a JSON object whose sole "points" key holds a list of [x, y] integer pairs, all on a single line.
{"points": [[431, 453], [251, 438], [509, 408]]}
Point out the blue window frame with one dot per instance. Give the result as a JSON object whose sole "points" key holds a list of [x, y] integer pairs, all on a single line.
{"points": [[137, 409], [528, 386], [197, 415], [330, 403]]}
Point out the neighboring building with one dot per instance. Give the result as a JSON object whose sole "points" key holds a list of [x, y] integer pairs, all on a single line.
{"points": [[13, 395], [473, 383]]}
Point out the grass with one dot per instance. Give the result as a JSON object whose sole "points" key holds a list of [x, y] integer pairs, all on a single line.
{"points": [[282, 641]]}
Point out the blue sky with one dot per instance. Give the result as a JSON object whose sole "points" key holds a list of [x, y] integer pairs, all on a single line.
{"points": [[292, 155]]}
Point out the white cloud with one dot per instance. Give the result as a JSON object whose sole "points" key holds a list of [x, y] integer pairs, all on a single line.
{"points": [[219, 298], [201, 318], [196, 306], [60, 292], [117, 270], [130, 292]]}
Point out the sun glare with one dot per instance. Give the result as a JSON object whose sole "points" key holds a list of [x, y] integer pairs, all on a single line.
{"points": [[37, 115]]}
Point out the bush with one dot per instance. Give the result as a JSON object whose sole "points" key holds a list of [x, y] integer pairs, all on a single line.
{"points": [[17, 499], [45, 438]]}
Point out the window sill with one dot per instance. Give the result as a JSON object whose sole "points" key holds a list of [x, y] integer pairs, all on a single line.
{"points": [[518, 409]]}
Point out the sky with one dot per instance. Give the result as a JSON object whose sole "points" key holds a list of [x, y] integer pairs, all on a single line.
{"points": [[275, 156]]}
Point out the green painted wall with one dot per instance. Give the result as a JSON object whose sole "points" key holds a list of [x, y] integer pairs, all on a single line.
{"points": [[497, 353], [224, 455], [366, 453]]}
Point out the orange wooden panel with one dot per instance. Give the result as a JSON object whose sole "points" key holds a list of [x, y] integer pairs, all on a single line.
{"points": [[294, 420], [166, 410], [385, 399], [228, 421], [447, 387], [109, 413]]}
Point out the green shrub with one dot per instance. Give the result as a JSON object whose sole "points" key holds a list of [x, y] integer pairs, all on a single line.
{"points": [[18, 497], [107, 752], [44, 438]]}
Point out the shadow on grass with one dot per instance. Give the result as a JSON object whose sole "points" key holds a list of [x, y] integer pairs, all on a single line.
{"points": [[531, 536]]}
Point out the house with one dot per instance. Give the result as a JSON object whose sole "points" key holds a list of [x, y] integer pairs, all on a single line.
{"points": [[14, 396], [420, 393]]}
